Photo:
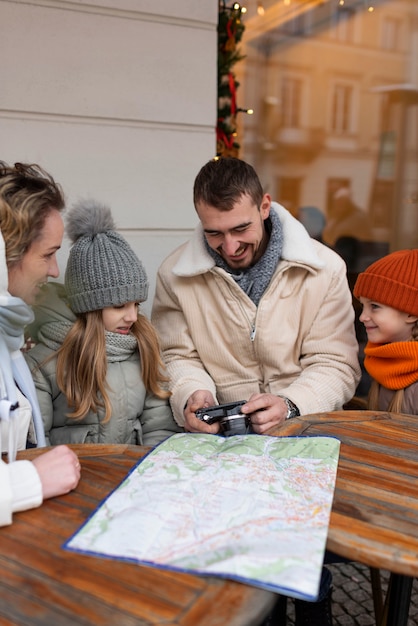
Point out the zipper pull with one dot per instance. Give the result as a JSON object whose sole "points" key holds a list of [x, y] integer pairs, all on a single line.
{"points": [[252, 334]]}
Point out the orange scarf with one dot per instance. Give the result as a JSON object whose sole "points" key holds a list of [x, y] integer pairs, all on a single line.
{"points": [[393, 365]]}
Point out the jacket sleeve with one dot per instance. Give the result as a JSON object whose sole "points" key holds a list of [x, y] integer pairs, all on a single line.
{"points": [[157, 421], [20, 489], [184, 367], [43, 387], [330, 369]]}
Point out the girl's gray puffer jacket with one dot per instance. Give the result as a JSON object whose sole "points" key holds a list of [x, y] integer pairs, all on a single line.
{"points": [[137, 417]]}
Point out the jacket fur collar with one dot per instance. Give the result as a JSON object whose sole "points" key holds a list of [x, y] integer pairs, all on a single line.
{"points": [[298, 247]]}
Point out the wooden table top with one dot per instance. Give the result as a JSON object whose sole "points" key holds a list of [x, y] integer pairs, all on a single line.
{"points": [[43, 584], [374, 520], [374, 517]]}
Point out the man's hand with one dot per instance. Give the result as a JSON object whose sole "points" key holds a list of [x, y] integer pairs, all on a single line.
{"points": [[199, 400], [266, 411]]}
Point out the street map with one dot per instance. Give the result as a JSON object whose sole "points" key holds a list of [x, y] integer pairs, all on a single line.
{"points": [[251, 508]]}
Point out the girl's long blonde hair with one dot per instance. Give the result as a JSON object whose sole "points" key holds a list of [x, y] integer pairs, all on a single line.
{"points": [[396, 403], [82, 364]]}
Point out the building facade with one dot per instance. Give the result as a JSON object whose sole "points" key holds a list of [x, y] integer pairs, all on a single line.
{"points": [[117, 100]]}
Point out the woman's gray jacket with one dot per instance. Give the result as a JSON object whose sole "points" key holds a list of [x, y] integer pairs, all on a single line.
{"points": [[137, 417]]}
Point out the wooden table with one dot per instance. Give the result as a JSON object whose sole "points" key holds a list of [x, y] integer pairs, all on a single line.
{"points": [[374, 520], [42, 584], [374, 517]]}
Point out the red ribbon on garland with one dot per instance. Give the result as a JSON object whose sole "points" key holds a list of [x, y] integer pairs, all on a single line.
{"points": [[229, 30], [222, 137], [230, 43]]}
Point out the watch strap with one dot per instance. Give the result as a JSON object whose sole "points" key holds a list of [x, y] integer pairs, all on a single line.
{"points": [[292, 409]]}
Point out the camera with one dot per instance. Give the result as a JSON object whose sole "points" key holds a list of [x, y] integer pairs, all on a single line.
{"points": [[229, 416]]}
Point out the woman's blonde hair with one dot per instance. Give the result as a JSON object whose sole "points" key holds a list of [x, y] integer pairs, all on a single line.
{"points": [[396, 403], [82, 364], [28, 194]]}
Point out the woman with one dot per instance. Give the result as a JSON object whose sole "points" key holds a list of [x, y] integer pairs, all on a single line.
{"points": [[31, 230]]}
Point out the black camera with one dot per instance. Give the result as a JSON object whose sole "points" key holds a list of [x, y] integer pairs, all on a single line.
{"points": [[229, 416]]}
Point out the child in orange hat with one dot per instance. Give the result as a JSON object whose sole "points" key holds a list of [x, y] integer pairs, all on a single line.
{"points": [[388, 292]]}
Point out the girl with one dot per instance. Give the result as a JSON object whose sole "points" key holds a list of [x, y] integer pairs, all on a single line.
{"points": [[388, 292], [96, 363]]}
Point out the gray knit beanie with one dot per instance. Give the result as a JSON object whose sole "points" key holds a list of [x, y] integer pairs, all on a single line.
{"points": [[102, 269]]}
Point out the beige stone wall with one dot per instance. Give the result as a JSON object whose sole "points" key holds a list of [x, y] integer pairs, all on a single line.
{"points": [[117, 99]]}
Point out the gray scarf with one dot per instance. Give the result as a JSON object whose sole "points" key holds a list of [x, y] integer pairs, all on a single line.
{"points": [[254, 280], [118, 347], [14, 316]]}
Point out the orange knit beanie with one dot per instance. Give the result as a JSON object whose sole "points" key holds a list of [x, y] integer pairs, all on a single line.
{"points": [[392, 280]]}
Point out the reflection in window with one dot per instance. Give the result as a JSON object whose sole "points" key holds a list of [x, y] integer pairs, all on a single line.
{"points": [[342, 27], [291, 102], [341, 102], [391, 34], [341, 108], [295, 26]]}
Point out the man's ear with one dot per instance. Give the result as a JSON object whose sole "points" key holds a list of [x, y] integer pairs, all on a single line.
{"points": [[265, 206], [411, 319]]}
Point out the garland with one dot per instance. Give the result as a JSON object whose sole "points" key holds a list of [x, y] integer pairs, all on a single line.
{"points": [[230, 31]]}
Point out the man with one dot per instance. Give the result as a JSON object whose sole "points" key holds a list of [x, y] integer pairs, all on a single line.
{"points": [[252, 308]]}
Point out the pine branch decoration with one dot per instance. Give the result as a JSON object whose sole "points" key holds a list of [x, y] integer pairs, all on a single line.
{"points": [[230, 31]]}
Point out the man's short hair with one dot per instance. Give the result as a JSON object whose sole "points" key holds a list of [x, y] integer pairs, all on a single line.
{"points": [[222, 181]]}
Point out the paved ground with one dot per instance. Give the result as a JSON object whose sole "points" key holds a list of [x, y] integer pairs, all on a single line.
{"points": [[352, 603]]}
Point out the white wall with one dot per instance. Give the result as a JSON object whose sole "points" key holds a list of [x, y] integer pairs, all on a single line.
{"points": [[117, 100]]}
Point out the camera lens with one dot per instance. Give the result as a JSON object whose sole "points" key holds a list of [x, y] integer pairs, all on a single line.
{"points": [[236, 425]]}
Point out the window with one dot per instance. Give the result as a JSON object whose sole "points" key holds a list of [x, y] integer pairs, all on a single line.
{"points": [[291, 102], [391, 34], [342, 103], [295, 26], [347, 106], [342, 28]]}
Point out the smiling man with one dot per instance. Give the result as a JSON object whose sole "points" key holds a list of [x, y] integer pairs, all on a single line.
{"points": [[252, 308]]}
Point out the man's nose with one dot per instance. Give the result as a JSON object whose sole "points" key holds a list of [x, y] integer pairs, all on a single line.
{"points": [[230, 245]]}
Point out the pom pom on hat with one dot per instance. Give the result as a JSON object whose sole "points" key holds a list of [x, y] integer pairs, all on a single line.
{"points": [[392, 280], [88, 218], [102, 269]]}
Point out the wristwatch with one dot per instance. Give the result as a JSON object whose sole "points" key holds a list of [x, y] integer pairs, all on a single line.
{"points": [[292, 409]]}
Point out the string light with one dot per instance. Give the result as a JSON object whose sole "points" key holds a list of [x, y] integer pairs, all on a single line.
{"points": [[367, 4], [234, 7], [260, 8]]}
